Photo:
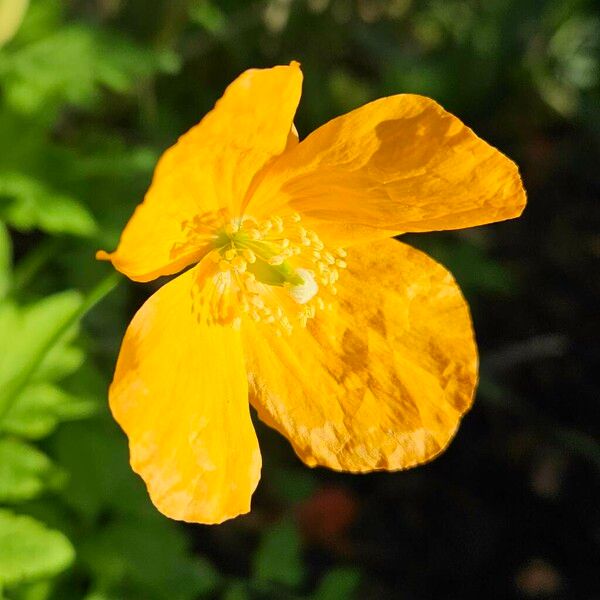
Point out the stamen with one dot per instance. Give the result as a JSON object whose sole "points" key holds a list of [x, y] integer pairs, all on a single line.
{"points": [[249, 255], [266, 267], [239, 264]]}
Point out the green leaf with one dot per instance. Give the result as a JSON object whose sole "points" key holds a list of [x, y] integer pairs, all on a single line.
{"points": [[95, 456], [338, 584], [5, 260], [236, 590], [41, 18], [62, 360], [27, 203], [474, 270], [35, 590], [278, 558], [29, 550], [71, 65], [39, 409], [27, 334], [292, 485], [208, 15], [24, 471], [150, 554]]}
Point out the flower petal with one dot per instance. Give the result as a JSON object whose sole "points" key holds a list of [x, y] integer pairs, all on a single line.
{"points": [[399, 164], [381, 380], [203, 179], [180, 393]]}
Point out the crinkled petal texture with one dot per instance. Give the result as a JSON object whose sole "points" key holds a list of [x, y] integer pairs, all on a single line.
{"points": [[399, 164], [381, 380], [180, 393], [203, 179]]}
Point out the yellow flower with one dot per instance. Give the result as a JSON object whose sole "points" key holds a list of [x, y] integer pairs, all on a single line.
{"points": [[356, 347]]}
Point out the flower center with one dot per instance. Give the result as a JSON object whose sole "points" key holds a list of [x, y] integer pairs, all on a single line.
{"points": [[274, 271]]}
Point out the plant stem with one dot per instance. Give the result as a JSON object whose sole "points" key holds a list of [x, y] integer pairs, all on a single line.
{"points": [[32, 262]]}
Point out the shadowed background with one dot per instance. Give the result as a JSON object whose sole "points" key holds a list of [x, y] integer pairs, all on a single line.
{"points": [[91, 92]]}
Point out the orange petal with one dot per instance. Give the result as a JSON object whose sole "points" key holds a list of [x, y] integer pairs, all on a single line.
{"points": [[399, 164], [202, 180], [381, 380], [180, 393]]}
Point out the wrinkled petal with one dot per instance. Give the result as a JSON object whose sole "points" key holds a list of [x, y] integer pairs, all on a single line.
{"points": [[382, 379], [399, 164], [201, 182], [180, 393]]}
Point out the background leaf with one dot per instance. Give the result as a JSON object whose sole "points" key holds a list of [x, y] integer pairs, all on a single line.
{"points": [[278, 558], [29, 550], [338, 584], [26, 203], [28, 333], [25, 472], [39, 409]]}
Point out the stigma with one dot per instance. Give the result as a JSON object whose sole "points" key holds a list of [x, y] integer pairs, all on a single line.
{"points": [[273, 271]]}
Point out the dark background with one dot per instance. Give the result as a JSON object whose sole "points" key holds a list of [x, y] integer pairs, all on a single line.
{"points": [[91, 92]]}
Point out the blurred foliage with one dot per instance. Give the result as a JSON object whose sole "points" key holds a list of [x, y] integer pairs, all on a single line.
{"points": [[91, 92]]}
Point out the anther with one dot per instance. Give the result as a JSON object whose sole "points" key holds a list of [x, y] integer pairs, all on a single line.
{"points": [[277, 224], [249, 255], [239, 264], [329, 258], [257, 302]]}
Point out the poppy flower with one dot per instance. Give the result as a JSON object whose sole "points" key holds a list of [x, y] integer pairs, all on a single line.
{"points": [[356, 347]]}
